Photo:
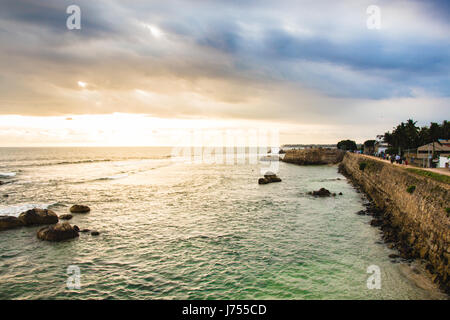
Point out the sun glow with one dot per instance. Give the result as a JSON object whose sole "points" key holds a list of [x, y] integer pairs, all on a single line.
{"points": [[82, 84], [155, 31]]}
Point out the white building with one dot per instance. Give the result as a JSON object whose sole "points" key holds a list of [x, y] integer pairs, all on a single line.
{"points": [[444, 162]]}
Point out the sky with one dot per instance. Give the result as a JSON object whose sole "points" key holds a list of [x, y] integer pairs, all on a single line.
{"points": [[137, 70]]}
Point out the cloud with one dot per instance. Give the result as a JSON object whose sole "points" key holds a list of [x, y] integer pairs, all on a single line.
{"points": [[308, 61]]}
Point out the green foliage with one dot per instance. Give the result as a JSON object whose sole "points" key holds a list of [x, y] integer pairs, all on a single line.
{"points": [[391, 151], [409, 136], [369, 143], [432, 175], [448, 211], [349, 145], [362, 166], [410, 189]]}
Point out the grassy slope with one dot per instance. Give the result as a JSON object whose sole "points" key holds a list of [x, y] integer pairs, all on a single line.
{"points": [[432, 175]]}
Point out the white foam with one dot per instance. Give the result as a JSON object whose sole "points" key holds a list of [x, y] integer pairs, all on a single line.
{"points": [[16, 210], [7, 174], [115, 177]]}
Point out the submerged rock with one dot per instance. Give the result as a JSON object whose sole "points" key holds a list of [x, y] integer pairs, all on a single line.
{"points": [[85, 230], [322, 192], [78, 208], [58, 232], [95, 233], [38, 216], [66, 217], [9, 222]]}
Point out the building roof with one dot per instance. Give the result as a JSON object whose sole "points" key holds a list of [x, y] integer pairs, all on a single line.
{"points": [[443, 146], [445, 142]]}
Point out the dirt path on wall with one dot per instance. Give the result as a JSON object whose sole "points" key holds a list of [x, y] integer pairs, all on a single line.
{"points": [[435, 170]]}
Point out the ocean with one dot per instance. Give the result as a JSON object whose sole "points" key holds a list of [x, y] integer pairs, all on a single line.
{"points": [[176, 230]]}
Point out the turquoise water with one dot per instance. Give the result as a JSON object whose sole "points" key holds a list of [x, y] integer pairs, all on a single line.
{"points": [[171, 230]]}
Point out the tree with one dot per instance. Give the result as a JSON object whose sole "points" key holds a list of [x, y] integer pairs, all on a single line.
{"points": [[369, 143], [409, 136], [369, 147], [349, 145]]}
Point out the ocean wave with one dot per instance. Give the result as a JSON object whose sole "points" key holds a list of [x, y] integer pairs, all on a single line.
{"points": [[17, 209], [114, 177], [7, 174], [58, 163]]}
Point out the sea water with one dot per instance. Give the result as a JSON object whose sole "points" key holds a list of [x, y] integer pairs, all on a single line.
{"points": [[176, 230]]}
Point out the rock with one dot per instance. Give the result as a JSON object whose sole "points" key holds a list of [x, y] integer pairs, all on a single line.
{"points": [[340, 193], [333, 194], [38, 216], [394, 256], [58, 232], [269, 174], [269, 177], [430, 268], [95, 233], [274, 179], [361, 212], [423, 253], [66, 217], [8, 222], [1, 182], [415, 270], [376, 222], [75, 227], [322, 192], [78, 208], [5, 196], [85, 230]]}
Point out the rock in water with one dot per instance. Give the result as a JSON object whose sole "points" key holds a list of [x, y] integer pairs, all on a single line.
{"points": [[58, 232], [322, 192], [78, 208], [95, 233], [38, 216], [66, 217], [8, 222], [269, 177]]}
